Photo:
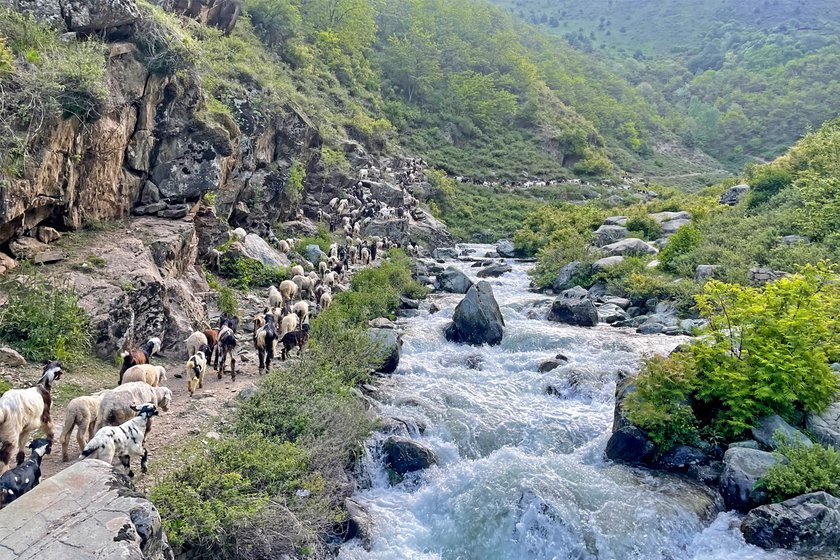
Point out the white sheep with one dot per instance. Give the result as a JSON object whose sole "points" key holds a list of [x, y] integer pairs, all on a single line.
{"points": [[240, 234], [291, 243], [333, 202], [115, 407], [365, 257], [124, 441], [195, 341], [288, 289], [81, 414], [196, 368], [304, 284], [289, 324], [283, 246], [275, 298], [146, 373], [22, 411], [301, 309], [326, 301], [330, 279], [297, 270]]}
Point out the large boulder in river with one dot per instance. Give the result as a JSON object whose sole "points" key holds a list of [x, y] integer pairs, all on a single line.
{"points": [[630, 246], [771, 431], [454, 281], [743, 467], [628, 443], [574, 308], [505, 248], [477, 319], [404, 455], [494, 270], [391, 348], [825, 426], [807, 523]]}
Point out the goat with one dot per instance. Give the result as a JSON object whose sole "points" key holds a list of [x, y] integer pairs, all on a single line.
{"points": [[22, 411], [138, 356], [227, 343], [81, 414], [297, 338], [365, 257], [288, 324], [27, 475], [330, 279], [301, 309], [212, 344], [146, 373], [275, 298], [116, 403], [264, 341], [297, 270], [196, 368], [124, 441], [196, 341], [288, 289]]}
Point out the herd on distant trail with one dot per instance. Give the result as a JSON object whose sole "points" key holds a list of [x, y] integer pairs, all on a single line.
{"points": [[113, 423]]}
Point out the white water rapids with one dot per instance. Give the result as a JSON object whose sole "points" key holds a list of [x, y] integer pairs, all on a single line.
{"points": [[522, 473]]}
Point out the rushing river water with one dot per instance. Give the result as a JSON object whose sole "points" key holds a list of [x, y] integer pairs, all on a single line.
{"points": [[522, 473]]}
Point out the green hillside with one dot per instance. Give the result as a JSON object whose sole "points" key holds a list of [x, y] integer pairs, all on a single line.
{"points": [[740, 79]]}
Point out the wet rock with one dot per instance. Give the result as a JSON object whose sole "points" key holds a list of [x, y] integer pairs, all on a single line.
{"points": [[445, 253], [772, 430], [630, 444], [11, 358], [404, 455], [391, 346], [825, 426], [474, 362], [610, 313], [505, 249], [651, 328], [630, 246], [574, 308], [706, 474], [454, 281], [597, 291], [553, 364], [807, 523], [567, 275], [680, 457], [408, 303], [359, 523], [491, 255], [477, 318], [621, 302], [493, 270], [734, 195], [607, 234], [743, 467], [704, 272], [607, 262]]}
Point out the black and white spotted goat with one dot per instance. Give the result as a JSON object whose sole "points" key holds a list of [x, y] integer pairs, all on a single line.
{"points": [[124, 441], [27, 475]]}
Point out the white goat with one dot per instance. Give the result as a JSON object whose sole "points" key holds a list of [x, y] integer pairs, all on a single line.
{"points": [[326, 301], [288, 289], [124, 441], [115, 407], [289, 324], [283, 246], [301, 309]]}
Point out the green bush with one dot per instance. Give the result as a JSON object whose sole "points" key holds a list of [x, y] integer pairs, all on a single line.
{"points": [[244, 272], [44, 322], [639, 222], [556, 255], [565, 225], [766, 182], [681, 243], [321, 239], [634, 280], [809, 469], [226, 301]]}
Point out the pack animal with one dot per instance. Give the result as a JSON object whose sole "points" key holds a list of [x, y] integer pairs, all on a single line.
{"points": [[124, 441]]}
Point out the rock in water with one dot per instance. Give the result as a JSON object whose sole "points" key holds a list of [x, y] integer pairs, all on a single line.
{"points": [[454, 281], [391, 347], [405, 455], [505, 248], [493, 271], [477, 319], [359, 523], [742, 469], [574, 308], [810, 522]]}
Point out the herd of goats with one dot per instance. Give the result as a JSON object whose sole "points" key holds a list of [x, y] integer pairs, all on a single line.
{"points": [[114, 422]]}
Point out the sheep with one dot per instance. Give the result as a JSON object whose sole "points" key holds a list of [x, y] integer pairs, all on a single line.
{"points": [[25, 476], [288, 324], [330, 279], [365, 258], [289, 290], [325, 301], [22, 411], [196, 368], [195, 341], [115, 404], [297, 270], [125, 440], [227, 343], [275, 298], [142, 355], [305, 286], [283, 246], [291, 339], [333, 202], [81, 413], [301, 309], [146, 373], [265, 339], [240, 234], [212, 344], [291, 243]]}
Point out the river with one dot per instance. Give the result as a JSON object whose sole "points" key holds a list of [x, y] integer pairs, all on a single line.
{"points": [[522, 473]]}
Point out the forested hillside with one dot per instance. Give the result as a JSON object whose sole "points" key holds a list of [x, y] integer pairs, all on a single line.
{"points": [[740, 79]]}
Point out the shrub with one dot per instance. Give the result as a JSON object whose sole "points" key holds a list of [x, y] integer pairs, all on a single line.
{"points": [[681, 243], [640, 223], [766, 182], [322, 239], [558, 254], [557, 224], [226, 301], [661, 403], [44, 322], [634, 280], [244, 272], [809, 469]]}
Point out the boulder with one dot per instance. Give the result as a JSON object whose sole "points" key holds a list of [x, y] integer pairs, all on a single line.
{"points": [[742, 468], [705, 272], [27, 247], [174, 212], [477, 318], [662, 217], [47, 234], [610, 313], [607, 234], [680, 457], [255, 247], [671, 226], [772, 430], [445, 253], [382, 323], [795, 239], [552, 364], [806, 523], [391, 344], [454, 281], [607, 262], [505, 248], [574, 308], [314, 254], [630, 246], [630, 444], [11, 358], [825, 426], [566, 277], [149, 209], [650, 328], [359, 523], [734, 195], [616, 221], [7, 263], [404, 455], [89, 16], [493, 270], [623, 303]]}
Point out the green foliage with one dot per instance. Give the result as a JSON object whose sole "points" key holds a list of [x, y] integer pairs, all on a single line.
{"points": [[244, 272], [766, 182], [322, 239], [640, 223], [808, 469], [42, 321], [226, 301], [661, 403], [684, 240], [561, 225], [294, 186], [633, 279]]}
